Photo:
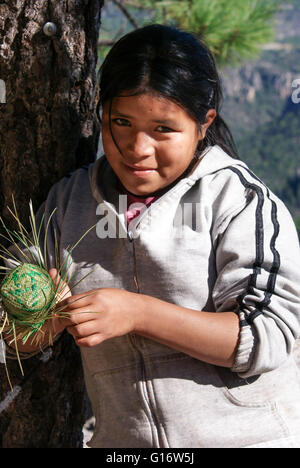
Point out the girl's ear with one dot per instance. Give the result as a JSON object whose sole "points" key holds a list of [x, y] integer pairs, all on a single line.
{"points": [[210, 117]]}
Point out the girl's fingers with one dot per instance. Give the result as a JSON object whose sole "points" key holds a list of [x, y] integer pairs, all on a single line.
{"points": [[54, 275], [83, 330], [63, 288], [77, 301], [89, 341], [69, 318]]}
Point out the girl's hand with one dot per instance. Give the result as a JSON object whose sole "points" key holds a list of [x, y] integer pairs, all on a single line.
{"points": [[100, 314]]}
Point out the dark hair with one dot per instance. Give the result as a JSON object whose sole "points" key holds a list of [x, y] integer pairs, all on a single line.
{"points": [[174, 64]]}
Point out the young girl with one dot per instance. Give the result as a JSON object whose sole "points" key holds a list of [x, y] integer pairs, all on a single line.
{"points": [[187, 339]]}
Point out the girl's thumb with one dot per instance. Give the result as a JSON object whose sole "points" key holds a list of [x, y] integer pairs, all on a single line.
{"points": [[63, 288], [53, 273]]}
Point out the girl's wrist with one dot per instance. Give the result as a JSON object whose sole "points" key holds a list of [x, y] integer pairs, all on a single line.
{"points": [[138, 312]]}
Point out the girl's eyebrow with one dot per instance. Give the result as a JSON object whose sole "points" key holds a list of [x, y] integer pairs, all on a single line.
{"points": [[116, 112], [166, 122], [169, 122]]}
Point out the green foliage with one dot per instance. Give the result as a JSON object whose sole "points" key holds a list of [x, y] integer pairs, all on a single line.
{"points": [[234, 29]]}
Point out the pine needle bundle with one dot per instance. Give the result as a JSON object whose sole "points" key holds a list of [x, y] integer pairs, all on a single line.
{"points": [[28, 296], [234, 30]]}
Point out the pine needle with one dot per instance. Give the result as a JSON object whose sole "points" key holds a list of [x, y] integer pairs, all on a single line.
{"points": [[16, 346], [45, 239]]}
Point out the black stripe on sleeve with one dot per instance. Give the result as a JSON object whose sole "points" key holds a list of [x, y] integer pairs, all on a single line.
{"points": [[259, 242], [276, 256]]}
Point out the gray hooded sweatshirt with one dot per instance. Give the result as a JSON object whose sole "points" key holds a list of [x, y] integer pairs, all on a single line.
{"points": [[218, 240]]}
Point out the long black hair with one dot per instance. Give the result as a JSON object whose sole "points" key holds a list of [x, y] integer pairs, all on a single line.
{"points": [[173, 64]]}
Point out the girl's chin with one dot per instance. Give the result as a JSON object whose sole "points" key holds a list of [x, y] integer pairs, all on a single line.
{"points": [[144, 191], [140, 192], [139, 187]]}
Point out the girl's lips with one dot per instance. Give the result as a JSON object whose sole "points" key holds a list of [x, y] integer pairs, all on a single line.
{"points": [[139, 172]]}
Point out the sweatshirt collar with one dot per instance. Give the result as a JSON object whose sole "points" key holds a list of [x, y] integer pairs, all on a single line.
{"points": [[105, 184]]}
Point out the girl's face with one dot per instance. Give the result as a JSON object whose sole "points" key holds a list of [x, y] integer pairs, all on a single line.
{"points": [[156, 137]]}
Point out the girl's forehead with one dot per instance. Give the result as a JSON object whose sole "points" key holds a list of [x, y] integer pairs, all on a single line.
{"points": [[147, 104]]}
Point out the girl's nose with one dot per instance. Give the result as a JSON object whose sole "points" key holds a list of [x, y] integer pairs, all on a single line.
{"points": [[141, 145]]}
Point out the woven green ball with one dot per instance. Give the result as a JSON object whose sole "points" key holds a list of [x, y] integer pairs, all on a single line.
{"points": [[26, 290]]}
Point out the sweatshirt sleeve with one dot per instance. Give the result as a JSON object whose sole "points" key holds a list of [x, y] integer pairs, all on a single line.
{"points": [[258, 276]]}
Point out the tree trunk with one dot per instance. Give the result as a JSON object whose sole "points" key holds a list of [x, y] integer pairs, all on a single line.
{"points": [[48, 128]]}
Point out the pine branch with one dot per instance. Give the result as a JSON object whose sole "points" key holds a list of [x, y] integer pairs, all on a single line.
{"points": [[233, 29]]}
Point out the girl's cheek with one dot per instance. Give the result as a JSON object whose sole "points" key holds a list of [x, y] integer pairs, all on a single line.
{"points": [[107, 139], [106, 134], [105, 131], [170, 152]]}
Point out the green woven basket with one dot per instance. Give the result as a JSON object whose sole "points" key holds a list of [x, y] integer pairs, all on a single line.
{"points": [[27, 294]]}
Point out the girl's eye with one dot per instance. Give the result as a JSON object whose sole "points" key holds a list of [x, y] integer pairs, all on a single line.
{"points": [[121, 122], [163, 129]]}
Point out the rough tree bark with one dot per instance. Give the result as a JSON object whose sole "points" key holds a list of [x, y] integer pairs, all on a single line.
{"points": [[48, 128]]}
